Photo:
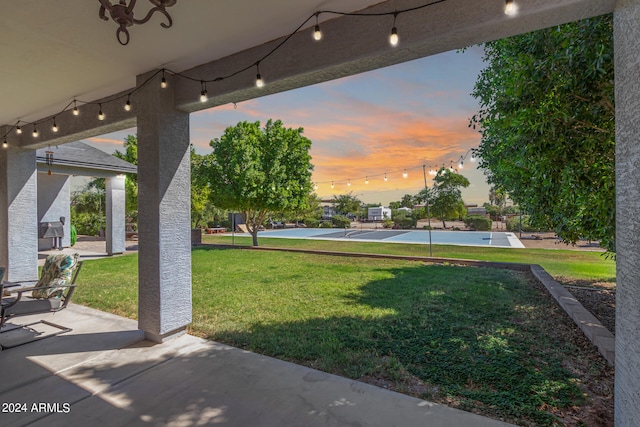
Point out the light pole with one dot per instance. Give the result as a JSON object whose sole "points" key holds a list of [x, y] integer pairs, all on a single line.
{"points": [[426, 198]]}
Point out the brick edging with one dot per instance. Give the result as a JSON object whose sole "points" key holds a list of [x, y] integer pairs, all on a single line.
{"points": [[592, 328]]}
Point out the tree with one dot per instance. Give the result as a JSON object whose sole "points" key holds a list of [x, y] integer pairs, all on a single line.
{"points": [[200, 191], [447, 197], [260, 171], [408, 201], [395, 205], [131, 182], [346, 204], [547, 125]]}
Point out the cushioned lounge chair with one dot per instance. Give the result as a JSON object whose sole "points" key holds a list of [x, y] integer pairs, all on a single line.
{"points": [[51, 293]]}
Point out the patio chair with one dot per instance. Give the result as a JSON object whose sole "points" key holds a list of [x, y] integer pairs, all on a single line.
{"points": [[51, 293]]}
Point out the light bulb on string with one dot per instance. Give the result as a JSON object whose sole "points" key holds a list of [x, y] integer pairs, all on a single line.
{"points": [[163, 82], [461, 164], [35, 131], [5, 144], [473, 157], [54, 128], [366, 180], [259, 81], [203, 92], [75, 108], [393, 38], [348, 183], [510, 7], [18, 129], [405, 174], [317, 34], [332, 184], [315, 186], [127, 105], [100, 113], [385, 177]]}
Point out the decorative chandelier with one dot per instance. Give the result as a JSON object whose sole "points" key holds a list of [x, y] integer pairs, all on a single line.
{"points": [[122, 14]]}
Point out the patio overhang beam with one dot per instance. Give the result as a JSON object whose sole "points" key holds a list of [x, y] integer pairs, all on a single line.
{"points": [[353, 45]]}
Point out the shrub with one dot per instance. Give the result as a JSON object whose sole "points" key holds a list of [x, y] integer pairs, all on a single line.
{"points": [[478, 222], [326, 224], [387, 223], [73, 234], [513, 224], [341, 221], [311, 222], [401, 220]]}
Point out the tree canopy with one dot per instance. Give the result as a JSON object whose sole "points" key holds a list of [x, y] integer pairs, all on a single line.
{"points": [[446, 195], [346, 204], [260, 171], [547, 125]]}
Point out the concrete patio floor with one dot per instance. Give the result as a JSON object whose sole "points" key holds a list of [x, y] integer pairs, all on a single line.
{"points": [[105, 373]]}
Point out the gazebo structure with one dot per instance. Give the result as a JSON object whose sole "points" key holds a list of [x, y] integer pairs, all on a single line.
{"points": [[55, 167], [57, 56]]}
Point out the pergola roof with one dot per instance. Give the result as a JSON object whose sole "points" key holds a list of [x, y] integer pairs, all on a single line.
{"points": [[78, 158]]}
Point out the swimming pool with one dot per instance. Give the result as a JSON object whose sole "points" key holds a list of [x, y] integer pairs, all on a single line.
{"points": [[421, 237]]}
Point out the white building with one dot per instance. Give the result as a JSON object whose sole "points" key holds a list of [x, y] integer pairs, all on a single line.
{"points": [[379, 213]]}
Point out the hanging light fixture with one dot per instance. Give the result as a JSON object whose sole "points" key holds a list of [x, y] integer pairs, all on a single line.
{"points": [[18, 129], [510, 7], [54, 128], [348, 183], [317, 34], [163, 82], [127, 105], [49, 159], [332, 184], [405, 174], [203, 92], [393, 38], [100, 113], [259, 81], [35, 131], [122, 14], [5, 144], [366, 180], [75, 108], [385, 177]]}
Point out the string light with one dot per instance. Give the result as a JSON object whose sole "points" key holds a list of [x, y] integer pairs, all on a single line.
{"points": [[385, 177], [393, 38], [332, 184], [510, 7], [366, 180], [203, 92], [259, 81], [405, 174], [348, 183], [317, 34], [163, 82], [315, 186], [5, 144], [54, 128], [35, 131]]}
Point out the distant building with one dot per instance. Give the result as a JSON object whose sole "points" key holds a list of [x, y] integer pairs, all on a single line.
{"points": [[328, 212], [474, 210], [407, 210], [379, 213]]}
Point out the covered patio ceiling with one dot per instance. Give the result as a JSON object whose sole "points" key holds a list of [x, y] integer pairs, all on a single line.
{"points": [[55, 52]]}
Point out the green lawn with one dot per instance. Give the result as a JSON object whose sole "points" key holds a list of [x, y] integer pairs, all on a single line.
{"points": [[582, 265], [480, 339]]}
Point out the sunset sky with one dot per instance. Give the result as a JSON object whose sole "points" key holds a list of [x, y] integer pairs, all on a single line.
{"points": [[376, 123]]}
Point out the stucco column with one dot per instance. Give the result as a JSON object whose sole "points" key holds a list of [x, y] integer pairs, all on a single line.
{"points": [[115, 210], [18, 213], [164, 212], [627, 83]]}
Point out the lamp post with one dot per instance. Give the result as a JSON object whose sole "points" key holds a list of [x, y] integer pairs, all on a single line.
{"points": [[426, 198]]}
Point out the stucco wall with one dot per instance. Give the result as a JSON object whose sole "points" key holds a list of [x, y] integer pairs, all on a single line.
{"points": [[54, 201]]}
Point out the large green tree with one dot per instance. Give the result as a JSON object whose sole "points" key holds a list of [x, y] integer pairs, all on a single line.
{"points": [[346, 204], [260, 171], [547, 126], [446, 195]]}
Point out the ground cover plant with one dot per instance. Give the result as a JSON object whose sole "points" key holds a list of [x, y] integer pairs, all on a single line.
{"points": [[485, 340]]}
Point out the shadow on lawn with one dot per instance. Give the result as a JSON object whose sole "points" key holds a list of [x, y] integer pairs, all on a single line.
{"points": [[471, 337]]}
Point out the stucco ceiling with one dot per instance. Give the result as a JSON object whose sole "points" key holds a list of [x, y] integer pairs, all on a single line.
{"points": [[51, 52]]}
